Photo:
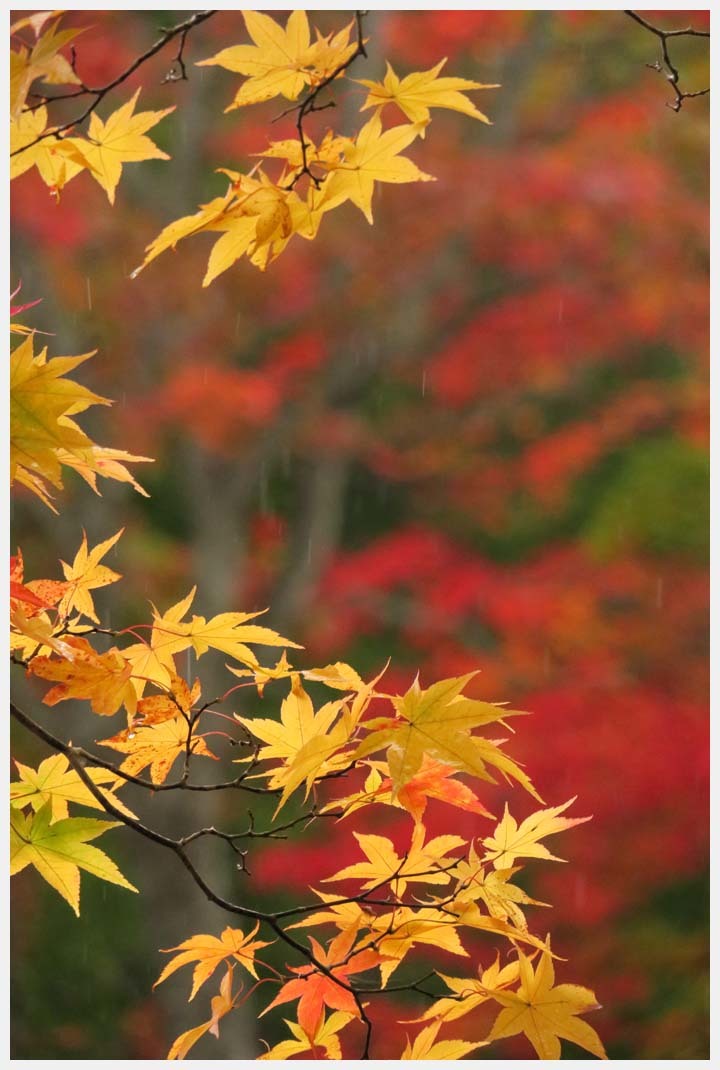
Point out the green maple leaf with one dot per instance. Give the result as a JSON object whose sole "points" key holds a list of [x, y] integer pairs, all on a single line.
{"points": [[60, 850]]}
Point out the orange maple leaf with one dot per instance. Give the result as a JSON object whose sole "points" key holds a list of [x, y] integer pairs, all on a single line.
{"points": [[208, 952], [434, 780], [156, 746], [36, 595], [102, 679], [316, 990], [159, 708]]}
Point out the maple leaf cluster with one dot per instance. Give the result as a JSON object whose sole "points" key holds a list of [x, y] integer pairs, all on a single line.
{"points": [[430, 740], [412, 749], [257, 215]]}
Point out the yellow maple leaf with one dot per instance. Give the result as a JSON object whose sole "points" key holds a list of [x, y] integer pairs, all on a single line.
{"points": [[42, 61], [153, 662], [339, 675], [426, 862], [157, 746], [33, 635], [55, 782], [36, 22], [220, 1005], [418, 92], [425, 1045], [277, 62], [262, 675], [256, 218], [439, 722], [325, 1037], [396, 933], [207, 952], [510, 841], [86, 574], [184, 227], [41, 402], [470, 992], [468, 913], [546, 1013], [57, 159], [330, 52], [303, 740], [43, 435], [323, 747], [93, 461], [120, 139], [493, 887], [328, 154], [345, 915], [229, 633], [258, 222], [374, 157], [103, 679], [373, 791], [58, 851], [239, 236]]}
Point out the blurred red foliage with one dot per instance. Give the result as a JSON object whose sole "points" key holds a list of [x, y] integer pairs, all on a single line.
{"points": [[490, 357]]}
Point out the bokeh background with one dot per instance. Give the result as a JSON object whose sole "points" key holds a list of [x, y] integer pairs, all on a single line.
{"points": [[471, 436]]}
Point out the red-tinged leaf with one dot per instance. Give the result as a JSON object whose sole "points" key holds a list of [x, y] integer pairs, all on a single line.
{"points": [[435, 780]]}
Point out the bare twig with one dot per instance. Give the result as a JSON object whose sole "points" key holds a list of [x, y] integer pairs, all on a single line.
{"points": [[178, 71], [665, 63]]}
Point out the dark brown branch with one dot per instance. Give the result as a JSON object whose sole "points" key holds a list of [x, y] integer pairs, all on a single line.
{"points": [[251, 833], [665, 62], [182, 29]]}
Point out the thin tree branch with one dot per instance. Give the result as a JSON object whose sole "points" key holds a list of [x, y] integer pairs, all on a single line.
{"points": [[665, 62], [178, 71]]}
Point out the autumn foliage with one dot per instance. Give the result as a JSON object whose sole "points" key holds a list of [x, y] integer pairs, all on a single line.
{"points": [[407, 807]]}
